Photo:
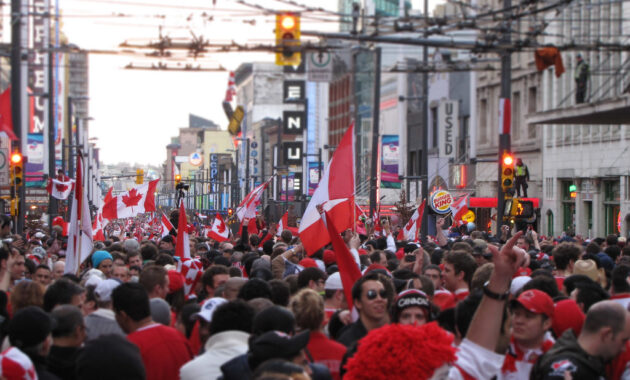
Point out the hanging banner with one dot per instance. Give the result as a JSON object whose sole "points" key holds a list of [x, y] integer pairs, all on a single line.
{"points": [[390, 158], [34, 167], [313, 176]]}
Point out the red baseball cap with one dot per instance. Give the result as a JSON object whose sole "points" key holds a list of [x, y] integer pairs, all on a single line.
{"points": [[536, 301], [329, 257], [567, 315], [308, 263]]}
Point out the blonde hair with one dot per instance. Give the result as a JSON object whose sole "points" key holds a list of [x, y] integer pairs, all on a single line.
{"points": [[308, 308]]}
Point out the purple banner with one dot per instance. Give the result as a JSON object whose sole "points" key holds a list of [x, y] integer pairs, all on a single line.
{"points": [[390, 157], [313, 176]]}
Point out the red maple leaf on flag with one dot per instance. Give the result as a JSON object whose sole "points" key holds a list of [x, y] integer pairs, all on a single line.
{"points": [[61, 187], [221, 227], [132, 199]]}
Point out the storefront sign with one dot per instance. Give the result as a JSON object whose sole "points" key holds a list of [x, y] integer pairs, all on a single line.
{"points": [[441, 201], [389, 162], [448, 126]]}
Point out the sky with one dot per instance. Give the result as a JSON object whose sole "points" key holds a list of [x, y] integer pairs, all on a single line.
{"points": [[136, 112]]}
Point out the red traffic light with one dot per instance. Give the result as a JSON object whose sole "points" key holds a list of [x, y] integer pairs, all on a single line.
{"points": [[16, 158], [508, 159], [230, 211], [178, 177], [287, 21]]}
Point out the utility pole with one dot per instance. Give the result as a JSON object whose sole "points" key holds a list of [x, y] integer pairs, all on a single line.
{"points": [[504, 130], [424, 157], [374, 180], [52, 201], [16, 99]]}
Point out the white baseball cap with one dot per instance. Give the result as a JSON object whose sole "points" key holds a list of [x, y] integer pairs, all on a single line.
{"points": [[208, 308], [105, 288], [333, 282]]}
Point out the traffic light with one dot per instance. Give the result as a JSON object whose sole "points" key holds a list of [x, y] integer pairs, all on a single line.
{"points": [[178, 178], [507, 173], [230, 212], [288, 38], [14, 206], [16, 169], [573, 190], [139, 176]]}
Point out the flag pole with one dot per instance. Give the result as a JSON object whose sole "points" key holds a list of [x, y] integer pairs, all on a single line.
{"points": [[79, 214]]}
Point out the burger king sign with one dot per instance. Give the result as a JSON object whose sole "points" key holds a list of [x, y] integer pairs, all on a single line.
{"points": [[440, 202]]}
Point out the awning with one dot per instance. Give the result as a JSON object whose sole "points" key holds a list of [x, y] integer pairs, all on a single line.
{"points": [[492, 202]]}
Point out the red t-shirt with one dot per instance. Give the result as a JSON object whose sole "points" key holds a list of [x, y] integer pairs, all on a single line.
{"points": [[327, 352], [163, 349]]}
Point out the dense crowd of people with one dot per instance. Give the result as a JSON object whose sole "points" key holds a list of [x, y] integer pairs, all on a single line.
{"points": [[463, 305]]}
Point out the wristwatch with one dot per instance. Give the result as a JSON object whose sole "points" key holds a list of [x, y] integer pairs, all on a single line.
{"points": [[495, 296]]}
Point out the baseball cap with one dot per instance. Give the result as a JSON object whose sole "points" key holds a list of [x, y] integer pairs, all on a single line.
{"points": [[333, 282], [329, 257], [39, 252], [29, 327], [567, 315], [208, 308], [518, 283], [278, 345], [39, 235], [105, 288], [536, 301], [307, 262]]}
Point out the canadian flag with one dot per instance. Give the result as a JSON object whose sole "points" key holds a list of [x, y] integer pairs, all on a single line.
{"points": [[182, 248], [59, 189], [283, 224], [231, 90], [459, 208], [167, 226], [99, 222], [192, 270], [247, 208], [348, 269], [411, 229], [337, 182], [136, 201], [218, 231], [80, 226]]}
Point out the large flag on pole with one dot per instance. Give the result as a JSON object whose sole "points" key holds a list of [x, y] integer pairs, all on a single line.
{"points": [[182, 248], [247, 208], [337, 182], [136, 201], [411, 229], [80, 226]]}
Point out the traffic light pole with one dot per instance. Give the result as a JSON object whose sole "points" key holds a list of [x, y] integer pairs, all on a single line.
{"points": [[52, 201], [504, 134], [16, 99]]}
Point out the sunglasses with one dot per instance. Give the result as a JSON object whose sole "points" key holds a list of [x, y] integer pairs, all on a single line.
{"points": [[371, 294]]}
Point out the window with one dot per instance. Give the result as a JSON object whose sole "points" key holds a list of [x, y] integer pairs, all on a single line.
{"points": [[483, 121], [434, 126], [516, 115], [549, 223], [612, 196], [533, 99], [549, 188]]}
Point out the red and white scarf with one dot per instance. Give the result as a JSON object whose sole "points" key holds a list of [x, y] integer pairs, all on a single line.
{"points": [[515, 354]]}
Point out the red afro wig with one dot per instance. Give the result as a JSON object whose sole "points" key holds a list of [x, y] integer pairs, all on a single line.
{"points": [[401, 352]]}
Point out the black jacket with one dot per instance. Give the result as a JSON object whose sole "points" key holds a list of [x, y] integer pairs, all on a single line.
{"points": [[567, 355], [61, 362], [352, 333], [39, 362]]}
